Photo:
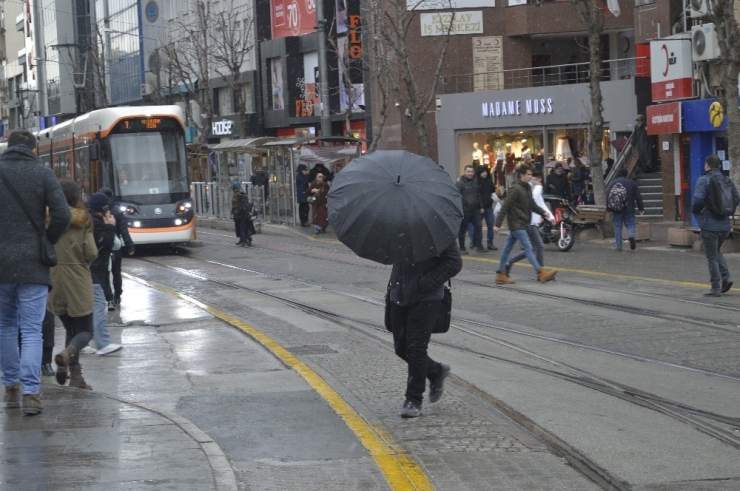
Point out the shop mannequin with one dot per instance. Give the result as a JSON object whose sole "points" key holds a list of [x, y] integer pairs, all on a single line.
{"points": [[487, 156], [526, 152], [477, 154], [510, 158], [498, 169]]}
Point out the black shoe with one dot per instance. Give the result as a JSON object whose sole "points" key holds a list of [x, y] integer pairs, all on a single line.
{"points": [[492, 248], [249, 243], [411, 410], [618, 249], [111, 306], [437, 388], [714, 292], [463, 251], [633, 245], [726, 285], [482, 250], [117, 301], [240, 243], [47, 370]]}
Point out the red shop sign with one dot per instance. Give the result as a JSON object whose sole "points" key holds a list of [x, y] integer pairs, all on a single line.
{"points": [[664, 119]]}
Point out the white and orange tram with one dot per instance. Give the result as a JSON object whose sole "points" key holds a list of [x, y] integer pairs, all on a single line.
{"points": [[139, 152]]}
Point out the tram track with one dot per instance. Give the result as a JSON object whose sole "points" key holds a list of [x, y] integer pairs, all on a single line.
{"points": [[707, 422]]}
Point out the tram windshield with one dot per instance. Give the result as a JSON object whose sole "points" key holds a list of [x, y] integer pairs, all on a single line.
{"points": [[149, 165]]}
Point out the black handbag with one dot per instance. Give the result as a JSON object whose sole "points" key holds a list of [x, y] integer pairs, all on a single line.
{"points": [[441, 324], [47, 254]]}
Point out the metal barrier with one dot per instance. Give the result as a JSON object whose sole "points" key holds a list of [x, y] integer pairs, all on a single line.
{"points": [[213, 200]]}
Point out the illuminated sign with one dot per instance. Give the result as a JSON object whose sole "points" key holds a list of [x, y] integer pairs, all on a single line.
{"points": [[147, 124], [516, 108], [221, 128]]}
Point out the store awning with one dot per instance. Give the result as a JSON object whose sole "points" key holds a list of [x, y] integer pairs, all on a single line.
{"points": [[245, 145]]}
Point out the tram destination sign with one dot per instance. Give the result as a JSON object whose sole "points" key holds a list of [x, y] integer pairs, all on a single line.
{"points": [[135, 125]]}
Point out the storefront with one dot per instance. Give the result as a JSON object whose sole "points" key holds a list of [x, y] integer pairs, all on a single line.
{"points": [[538, 125]]}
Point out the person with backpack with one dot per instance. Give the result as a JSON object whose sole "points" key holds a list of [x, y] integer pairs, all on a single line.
{"points": [[714, 202], [621, 197]]}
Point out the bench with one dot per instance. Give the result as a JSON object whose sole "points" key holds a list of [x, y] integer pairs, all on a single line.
{"points": [[590, 215]]}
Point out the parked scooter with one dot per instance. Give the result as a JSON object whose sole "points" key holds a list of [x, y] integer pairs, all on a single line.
{"points": [[561, 232]]}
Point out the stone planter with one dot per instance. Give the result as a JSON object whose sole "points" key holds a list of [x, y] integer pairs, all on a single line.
{"points": [[681, 237], [642, 232]]}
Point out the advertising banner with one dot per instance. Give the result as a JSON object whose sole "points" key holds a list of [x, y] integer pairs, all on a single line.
{"points": [[664, 119], [671, 69], [293, 17]]}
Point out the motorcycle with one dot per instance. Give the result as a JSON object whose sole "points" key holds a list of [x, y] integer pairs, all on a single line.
{"points": [[562, 231]]}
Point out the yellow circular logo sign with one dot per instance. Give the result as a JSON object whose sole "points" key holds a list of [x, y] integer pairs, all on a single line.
{"points": [[716, 114]]}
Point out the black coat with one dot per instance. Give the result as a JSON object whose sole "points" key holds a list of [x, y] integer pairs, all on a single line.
{"points": [[469, 190], [301, 185], [558, 185], [424, 281], [485, 187], [104, 235], [20, 260], [329, 175], [633, 195], [261, 179]]}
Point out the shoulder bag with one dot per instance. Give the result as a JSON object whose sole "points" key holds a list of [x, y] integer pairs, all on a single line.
{"points": [[48, 255], [441, 324]]}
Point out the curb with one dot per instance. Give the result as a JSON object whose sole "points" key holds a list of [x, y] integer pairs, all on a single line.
{"points": [[223, 474]]}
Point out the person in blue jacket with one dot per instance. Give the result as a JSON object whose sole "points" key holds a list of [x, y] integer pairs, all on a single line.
{"points": [[714, 228]]}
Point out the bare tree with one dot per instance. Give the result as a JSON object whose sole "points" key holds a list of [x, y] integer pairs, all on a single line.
{"points": [[591, 13], [232, 40], [414, 86], [722, 15], [188, 57]]}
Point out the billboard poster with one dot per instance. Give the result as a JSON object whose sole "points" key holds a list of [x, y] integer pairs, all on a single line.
{"points": [[293, 17], [277, 101], [671, 69], [351, 94]]}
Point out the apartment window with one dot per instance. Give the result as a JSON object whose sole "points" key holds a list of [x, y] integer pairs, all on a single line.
{"points": [[226, 101]]}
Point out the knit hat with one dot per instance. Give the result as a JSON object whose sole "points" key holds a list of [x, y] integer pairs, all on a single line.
{"points": [[97, 202], [558, 165], [236, 185]]}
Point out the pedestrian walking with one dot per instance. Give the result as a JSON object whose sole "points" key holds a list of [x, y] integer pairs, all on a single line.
{"points": [[104, 231], [301, 193], [621, 197], [517, 209], [416, 292], [486, 190], [27, 190], [244, 219], [580, 176], [236, 192], [534, 226], [47, 337], [117, 255], [714, 202], [468, 186], [260, 179], [320, 215], [72, 298]]}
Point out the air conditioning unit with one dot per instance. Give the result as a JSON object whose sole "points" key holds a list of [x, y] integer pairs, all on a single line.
{"points": [[146, 89], [704, 44], [698, 8], [4, 98]]}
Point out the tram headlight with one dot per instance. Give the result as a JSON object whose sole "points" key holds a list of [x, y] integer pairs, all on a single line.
{"points": [[184, 207], [178, 222], [137, 224]]}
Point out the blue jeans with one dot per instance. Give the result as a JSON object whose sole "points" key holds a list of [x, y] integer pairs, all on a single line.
{"points": [[100, 328], [539, 248], [628, 219], [22, 308], [523, 237], [718, 271], [488, 217]]}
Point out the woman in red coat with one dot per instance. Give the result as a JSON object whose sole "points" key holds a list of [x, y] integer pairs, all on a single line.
{"points": [[319, 188]]}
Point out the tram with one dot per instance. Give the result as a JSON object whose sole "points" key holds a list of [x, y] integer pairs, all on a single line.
{"points": [[139, 152]]}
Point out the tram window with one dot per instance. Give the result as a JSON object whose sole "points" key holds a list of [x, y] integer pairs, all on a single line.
{"points": [[149, 163], [82, 171]]}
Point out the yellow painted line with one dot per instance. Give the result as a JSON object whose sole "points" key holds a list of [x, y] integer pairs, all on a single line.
{"points": [[608, 275], [400, 469]]}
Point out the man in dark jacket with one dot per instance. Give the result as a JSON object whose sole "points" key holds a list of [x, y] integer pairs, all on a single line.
{"points": [[625, 216], [557, 183], [260, 178], [517, 209], [117, 256], [486, 189], [468, 186], [416, 293], [104, 232], [24, 280], [320, 168], [714, 228], [302, 179]]}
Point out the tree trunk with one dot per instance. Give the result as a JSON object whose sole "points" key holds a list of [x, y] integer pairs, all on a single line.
{"points": [[596, 125]]}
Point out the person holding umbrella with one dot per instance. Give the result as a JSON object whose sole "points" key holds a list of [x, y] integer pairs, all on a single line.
{"points": [[394, 207]]}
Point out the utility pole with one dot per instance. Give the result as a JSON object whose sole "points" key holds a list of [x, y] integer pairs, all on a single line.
{"points": [[40, 60], [323, 70]]}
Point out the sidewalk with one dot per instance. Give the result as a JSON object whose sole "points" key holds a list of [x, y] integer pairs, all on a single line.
{"points": [[113, 437]]}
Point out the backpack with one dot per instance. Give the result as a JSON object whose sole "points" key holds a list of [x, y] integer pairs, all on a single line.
{"points": [[720, 197], [617, 199]]}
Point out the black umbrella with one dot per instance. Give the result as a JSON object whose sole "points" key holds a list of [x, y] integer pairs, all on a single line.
{"points": [[393, 206]]}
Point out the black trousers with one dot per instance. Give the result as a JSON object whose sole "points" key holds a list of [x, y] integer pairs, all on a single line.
{"points": [[412, 330], [79, 330], [303, 212], [474, 217], [246, 229], [116, 260]]}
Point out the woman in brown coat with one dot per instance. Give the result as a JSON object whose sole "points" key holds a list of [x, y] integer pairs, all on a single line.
{"points": [[319, 188], [71, 299]]}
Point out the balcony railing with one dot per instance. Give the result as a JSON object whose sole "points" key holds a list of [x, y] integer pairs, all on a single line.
{"points": [[522, 78]]}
